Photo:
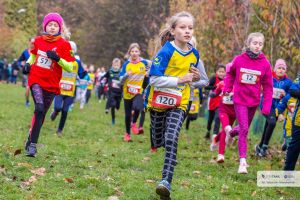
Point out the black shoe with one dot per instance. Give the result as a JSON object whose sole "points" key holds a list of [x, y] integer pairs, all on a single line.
{"points": [[59, 133], [258, 151], [31, 150], [53, 115], [263, 151], [284, 146], [207, 136]]}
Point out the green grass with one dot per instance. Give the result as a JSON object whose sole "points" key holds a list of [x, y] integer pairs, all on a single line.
{"points": [[92, 154]]}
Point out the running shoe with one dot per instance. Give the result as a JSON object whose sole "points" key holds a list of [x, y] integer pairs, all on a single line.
{"points": [[134, 129], [59, 133], [258, 151], [141, 130], [31, 150], [53, 115], [163, 189], [127, 137], [207, 136], [214, 143], [243, 168], [220, 158]]}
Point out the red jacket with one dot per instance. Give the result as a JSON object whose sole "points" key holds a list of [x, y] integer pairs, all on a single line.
{"points": [[214, 102], [46, 72]]}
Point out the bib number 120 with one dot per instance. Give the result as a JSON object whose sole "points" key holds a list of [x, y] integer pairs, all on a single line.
{"points": [[165, 100]]}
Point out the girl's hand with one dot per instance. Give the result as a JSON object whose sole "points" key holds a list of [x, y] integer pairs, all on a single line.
{"points": [[196, 73], [188, 78], [129, 73], [281, 118]]}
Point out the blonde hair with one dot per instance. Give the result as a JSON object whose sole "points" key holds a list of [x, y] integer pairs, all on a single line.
{"points": [[193, 42], [65, 32], [131, 46], [166, 35], [251, 36]]}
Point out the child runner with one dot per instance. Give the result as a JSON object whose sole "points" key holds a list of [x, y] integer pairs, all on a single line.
{"points": [[250, 72], [115, 90], [214, 101], [49, 55], [285, 111], [167, 98], [91, 84], [281, 86], [227, 117], [194, 108], [132, 77], [293, 149], [81, 88], [22, 60], [67, 84]]}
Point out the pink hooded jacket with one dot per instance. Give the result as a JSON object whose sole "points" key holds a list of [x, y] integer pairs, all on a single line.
{"points": [[248, 76]]}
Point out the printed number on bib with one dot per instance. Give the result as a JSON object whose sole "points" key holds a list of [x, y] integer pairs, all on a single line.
{"points": [[249, 76], [133, 89], [227, 100], [115, 84], [278, 93], [66, 85], [166, 98], [42, 60]]}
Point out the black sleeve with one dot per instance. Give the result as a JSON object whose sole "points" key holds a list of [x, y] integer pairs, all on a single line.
{"points": [[106, 75], [211, 84], [295, 93]]}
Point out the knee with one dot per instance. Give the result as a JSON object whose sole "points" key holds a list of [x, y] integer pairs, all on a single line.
{"points": [[272, 121]]}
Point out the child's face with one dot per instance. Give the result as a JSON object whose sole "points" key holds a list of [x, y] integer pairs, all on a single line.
{"points": [[135, 53], [183, 30], [52, 28], [256, 44], [280, 71], [221, 73], [116, 65]]}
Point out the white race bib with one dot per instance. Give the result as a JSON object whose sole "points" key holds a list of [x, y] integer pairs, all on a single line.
{"points": [[66, 85], [249, 76], [166, 98], [133, 89], [42, 60], [115, 84], [278, 93]]}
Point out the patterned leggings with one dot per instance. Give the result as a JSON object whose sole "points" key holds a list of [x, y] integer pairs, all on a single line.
{"points": [[165, 128], [42, 101]]}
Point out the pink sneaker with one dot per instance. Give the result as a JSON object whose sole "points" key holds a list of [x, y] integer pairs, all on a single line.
{"points": [[127, 137], [134, 129]]}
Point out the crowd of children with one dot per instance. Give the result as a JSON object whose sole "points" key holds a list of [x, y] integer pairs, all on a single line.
{"points": [[169, 89]]}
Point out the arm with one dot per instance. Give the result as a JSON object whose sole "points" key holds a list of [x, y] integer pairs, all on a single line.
{"points": [[164, 81], [229, 78], [67, 66], [267, 84], [211, 84], [203, 76], [283, 104], [123, 74]]}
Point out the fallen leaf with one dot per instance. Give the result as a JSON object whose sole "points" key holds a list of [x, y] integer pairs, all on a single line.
{"points": [[31, 180], [253, 193], [196, 172], [185, 184], [39, 171], [28, 165], [68, 180], [146, 159], [17, 152], [224, 188], [150, 181], [113, 198], [118, 192]]}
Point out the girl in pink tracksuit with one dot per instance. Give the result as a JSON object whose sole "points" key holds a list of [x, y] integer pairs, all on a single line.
{"points": [[249, 74]]}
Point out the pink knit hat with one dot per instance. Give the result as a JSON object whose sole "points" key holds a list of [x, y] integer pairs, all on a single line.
{"points": [[280, 63], [52, 17]]}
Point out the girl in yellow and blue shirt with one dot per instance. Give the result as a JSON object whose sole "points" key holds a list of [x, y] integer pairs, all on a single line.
{"points": [[167, 97], [132, 77]]}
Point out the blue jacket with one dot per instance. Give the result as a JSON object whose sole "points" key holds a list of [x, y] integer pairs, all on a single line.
{"points": [[296, 87], [284, 84]]}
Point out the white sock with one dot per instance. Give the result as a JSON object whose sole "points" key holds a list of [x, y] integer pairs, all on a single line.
{"points": [[243, 161], [228, 128]]}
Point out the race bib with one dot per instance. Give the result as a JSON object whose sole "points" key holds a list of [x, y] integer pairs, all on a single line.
{"points": [[166, 98], [115, 84], [249, 76], [42, 60], [133, 89], [278, 93], [227, 100], [66, 85], [83, 82]]}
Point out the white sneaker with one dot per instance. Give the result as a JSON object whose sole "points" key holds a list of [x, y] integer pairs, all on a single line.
{"points": [[214, 144], [243, 168], [220, 158]]}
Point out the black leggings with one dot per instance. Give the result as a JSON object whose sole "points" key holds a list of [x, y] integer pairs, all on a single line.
{"points": [[268, 129], [62, 104], [113, 102], [87, 96], [165, 128], [128, 109], [142, 119], [213, 115], [42, 101]]}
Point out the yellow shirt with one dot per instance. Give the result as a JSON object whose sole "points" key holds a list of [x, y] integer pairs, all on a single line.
{"points": [[68, 81], [92, 78]]}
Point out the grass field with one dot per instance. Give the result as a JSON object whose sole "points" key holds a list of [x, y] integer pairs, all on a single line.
{"points": [[91, 161]]}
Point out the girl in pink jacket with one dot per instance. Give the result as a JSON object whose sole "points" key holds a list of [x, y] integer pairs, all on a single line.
{"points": [[249, 74]]}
